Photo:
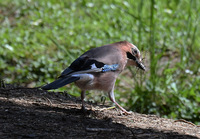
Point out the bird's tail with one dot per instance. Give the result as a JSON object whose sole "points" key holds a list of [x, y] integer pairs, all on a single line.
{"points": [[60, 82]]}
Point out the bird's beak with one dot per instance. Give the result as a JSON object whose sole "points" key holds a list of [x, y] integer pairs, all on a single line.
{"points": [[140, 65]]}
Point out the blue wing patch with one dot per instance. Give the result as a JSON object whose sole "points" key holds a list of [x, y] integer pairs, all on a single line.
{"points": [[106, 68]]}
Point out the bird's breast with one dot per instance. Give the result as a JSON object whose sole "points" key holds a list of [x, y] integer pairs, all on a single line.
{"points": [[86, 81]]}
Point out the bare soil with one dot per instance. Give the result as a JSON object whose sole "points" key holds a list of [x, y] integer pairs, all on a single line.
{"points": [[34, 113]]}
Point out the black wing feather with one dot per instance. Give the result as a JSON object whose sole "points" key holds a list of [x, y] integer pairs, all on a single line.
{"points": [[60, 82], [81, 63]]}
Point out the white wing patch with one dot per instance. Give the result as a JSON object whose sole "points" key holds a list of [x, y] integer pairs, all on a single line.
{"points": [[93, 66], [84, 77]]}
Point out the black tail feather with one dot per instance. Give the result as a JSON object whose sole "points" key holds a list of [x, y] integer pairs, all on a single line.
{"points": [[60, 82]]}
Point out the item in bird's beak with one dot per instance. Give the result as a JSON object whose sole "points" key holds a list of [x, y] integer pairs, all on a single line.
{"points": [[140, 65]]}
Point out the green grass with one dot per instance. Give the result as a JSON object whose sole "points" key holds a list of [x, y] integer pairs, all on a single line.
{"points": [[41, 38]]}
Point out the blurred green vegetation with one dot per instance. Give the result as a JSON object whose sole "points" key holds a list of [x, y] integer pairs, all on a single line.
{"points": [[40, 38]]}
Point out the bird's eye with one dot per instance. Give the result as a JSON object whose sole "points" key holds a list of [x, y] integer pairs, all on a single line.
{"points": [[134, 51]]}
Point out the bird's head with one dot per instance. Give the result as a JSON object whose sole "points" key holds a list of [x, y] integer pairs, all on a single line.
{"points": [[134, 56]]}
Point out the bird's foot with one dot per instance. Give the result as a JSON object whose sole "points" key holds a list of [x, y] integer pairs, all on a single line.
{"points": [[126, 113], [83, 109], [123, 111]]}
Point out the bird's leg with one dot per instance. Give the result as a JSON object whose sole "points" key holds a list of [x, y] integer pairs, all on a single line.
{"points": [[82, 99], [112, 98]]}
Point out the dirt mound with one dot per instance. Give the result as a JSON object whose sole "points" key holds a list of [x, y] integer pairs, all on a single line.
{"points": [[34, 113]]}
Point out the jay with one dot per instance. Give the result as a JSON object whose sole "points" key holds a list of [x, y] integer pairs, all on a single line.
{"points": [[98, 68]]}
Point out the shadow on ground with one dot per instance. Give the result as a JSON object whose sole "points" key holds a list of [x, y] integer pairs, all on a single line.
{"points": [[33, 113]]}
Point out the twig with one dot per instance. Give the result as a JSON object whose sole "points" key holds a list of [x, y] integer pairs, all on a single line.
{"points": [[70, 105], [108, 108], [104, 130], [182, 120], [48, 100]]}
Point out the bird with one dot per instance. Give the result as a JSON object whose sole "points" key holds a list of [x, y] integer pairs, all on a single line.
{"points": [[98, 69]]}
